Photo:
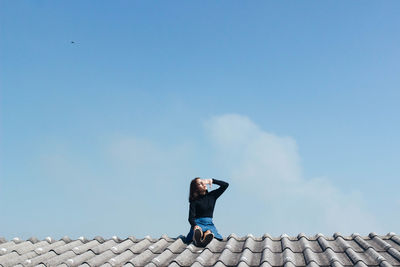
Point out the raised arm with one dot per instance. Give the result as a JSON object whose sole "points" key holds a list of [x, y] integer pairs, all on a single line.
{"points": [[222, 187], [192, 214]]}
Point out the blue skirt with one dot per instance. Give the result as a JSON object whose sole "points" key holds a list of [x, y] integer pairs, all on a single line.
{"points": [[205, 223]]}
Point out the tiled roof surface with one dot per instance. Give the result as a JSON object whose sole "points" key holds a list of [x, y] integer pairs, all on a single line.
{"points": [[266, 251]]}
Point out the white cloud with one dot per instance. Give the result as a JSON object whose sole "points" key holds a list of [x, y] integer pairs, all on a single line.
{"points": [[146, 183], [266, 167]]}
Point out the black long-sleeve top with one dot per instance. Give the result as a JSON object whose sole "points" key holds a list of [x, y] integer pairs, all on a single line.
{"points": [[204, 205]]}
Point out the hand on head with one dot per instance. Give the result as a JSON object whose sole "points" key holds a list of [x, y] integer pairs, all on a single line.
{"points": [[202, 185], [207, 181]]}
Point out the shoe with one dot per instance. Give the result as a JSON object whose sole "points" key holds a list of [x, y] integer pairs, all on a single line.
{"points": [[197, 236], [208, 237]]}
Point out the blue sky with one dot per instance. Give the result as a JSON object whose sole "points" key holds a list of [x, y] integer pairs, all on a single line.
{"points": [[295, 104]]}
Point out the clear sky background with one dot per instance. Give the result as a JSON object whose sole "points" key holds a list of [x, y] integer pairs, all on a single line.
{"points": [[294, 103]]}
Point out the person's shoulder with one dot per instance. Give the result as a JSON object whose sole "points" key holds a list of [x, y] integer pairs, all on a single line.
{"points": [[212, 193]]}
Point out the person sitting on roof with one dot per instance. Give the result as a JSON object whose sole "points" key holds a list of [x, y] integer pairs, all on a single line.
{"points": [[201, 210]]}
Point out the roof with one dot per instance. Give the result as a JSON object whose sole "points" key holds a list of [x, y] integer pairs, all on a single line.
{"points": [[266, 251]]}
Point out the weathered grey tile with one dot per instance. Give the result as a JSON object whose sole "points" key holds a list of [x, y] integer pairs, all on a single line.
{"points": [[39, 259], [315, 246], [267, 251], [159, 246], [321, 258], [252, 245], [7, 247], [294, 245], [172, 264], [100, 259], [250, 258], [220, 264], [24, 247], [20, 259], [389, 258], [163, 259], [343, 258], [295, 258], [286, 243], [354, 245], [205, 258], [305, 244], [375, 256], [333, 244], [61, 249], [100, 248], [169, 253], [60, 258], [188, 256], [122, 258], [122, 247], [332, 257], [17, 240], [234, 245], [334, 264], [265, 264], [217, 246], [229, 258], [177, 246], [143, 258], [395, 238], [48, 246], [383, 244], [272, 258], [141, 246], [393, 244], [85, 247], [9, 258], [81, 258], [273, 245]]}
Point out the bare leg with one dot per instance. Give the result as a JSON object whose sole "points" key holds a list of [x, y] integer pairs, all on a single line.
{"points": [[205, 233], [207, 238]]}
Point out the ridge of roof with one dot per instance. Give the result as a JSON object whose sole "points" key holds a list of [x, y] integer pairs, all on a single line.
{"points": [[267, 251]]}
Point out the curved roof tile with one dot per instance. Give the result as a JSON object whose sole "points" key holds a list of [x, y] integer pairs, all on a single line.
{"points": [[247, 251]]}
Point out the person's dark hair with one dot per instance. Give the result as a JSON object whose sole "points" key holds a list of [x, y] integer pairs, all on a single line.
{"points": [[194, 191]]}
